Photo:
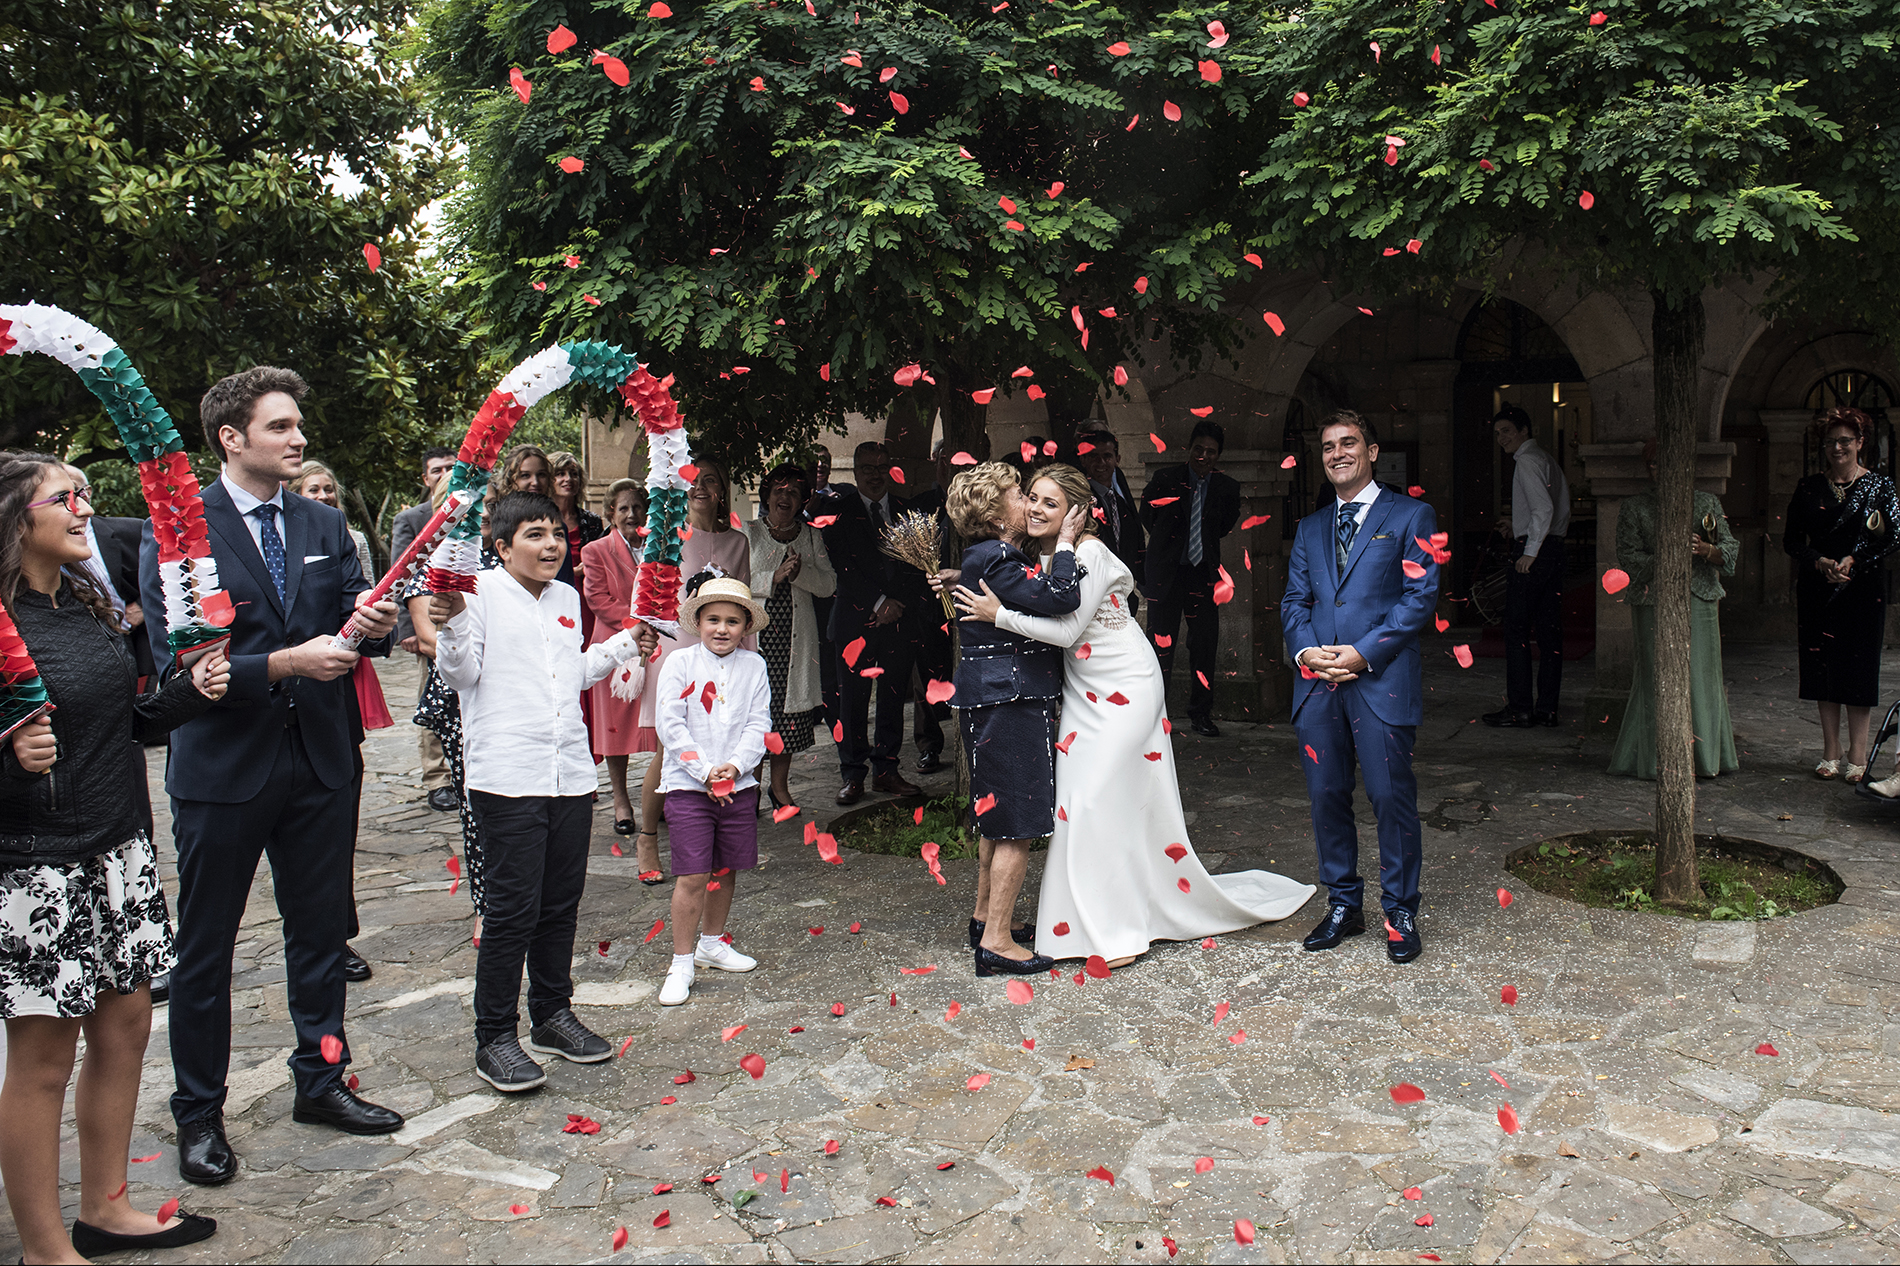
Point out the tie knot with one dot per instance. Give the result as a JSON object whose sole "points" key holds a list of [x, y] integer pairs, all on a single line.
{"points": [[267, 511], [1348, 510]]}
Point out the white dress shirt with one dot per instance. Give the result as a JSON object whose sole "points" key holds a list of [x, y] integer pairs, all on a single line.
{"points": [[517, 663], [699, 739], [1540, 497], [243, 502], [1363, 499], [96, 568]]}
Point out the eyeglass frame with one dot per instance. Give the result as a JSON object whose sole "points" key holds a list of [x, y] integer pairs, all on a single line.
{"points": [[71, 497]]}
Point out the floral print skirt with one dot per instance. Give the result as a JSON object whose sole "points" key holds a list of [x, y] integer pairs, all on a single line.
{"points": [[68, 933]]}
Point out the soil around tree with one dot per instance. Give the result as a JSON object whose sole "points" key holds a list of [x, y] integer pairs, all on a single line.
{"points": [[1616, 870], [892, 828]]}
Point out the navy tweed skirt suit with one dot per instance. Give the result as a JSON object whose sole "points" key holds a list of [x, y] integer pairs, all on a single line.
{"points": [[1008, 689]]}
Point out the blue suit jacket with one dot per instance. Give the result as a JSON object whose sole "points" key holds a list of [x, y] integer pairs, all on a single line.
{"points": [[1373, 606], [225, 755]]}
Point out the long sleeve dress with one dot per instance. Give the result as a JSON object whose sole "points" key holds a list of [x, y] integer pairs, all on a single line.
{"points": [[1841, 626], [790, 643], [1636, 543], [1121, 872]]}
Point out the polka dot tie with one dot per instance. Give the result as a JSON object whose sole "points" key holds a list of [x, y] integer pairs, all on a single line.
{"points": [[273, 545]]}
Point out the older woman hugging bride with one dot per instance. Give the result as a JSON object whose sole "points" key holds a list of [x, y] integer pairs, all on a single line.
{"points": [[1121, 872]]}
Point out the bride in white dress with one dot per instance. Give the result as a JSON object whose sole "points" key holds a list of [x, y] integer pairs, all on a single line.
{"points": [[1121, 871]]}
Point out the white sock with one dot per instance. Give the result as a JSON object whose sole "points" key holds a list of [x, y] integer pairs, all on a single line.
{"points": [[681, 963], [710, 943]]}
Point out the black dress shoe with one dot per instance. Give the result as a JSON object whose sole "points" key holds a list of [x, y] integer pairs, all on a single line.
{"points": [[1024, 935], [338, 1107], [1507, 719], [895, 784], [355, 969], [851, 792], [161, 989], [204, 1156], [1204, 726], [1544, 718], [930, 763], [1402, 944], [1340, 922], [184, 1228], [443, 800], [989, 964]]}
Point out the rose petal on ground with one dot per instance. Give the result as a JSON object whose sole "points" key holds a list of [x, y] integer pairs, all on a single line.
{"points": [[726, 1035], [1019, 992], [620, 1238], [1413, 1193], [855, 928], [1203, 1164], [1423, 1219], [1405, 1092], [977, 1082], [1504, 898], [1243, 1231], [954, 1010], [1237, 1036], [831, 1147], [1766, 1049], [1508, 995], [1507, 1117], [1101, 1172], [661, 1188], [917, 971], [686, 1078]]}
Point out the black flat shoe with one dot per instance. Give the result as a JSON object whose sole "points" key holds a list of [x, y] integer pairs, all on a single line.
{"points": [[204, 1155], [355, 969], [1402, 944], [1340, 922], [1024, 935], [929, 763], [342, 1109], [185, 1228], [989, 964], [624, 826], [1204, 726]]}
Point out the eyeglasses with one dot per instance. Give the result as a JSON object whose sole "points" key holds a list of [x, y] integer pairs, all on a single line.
{"points": [[1841, 441], [71, 499]]}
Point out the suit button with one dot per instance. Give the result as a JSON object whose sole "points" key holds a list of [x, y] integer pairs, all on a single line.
{"points": [[1340, 602]]}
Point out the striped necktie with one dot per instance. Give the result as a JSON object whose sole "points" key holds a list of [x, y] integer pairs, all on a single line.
{"points": [[1345, 530], [1194, 521]]}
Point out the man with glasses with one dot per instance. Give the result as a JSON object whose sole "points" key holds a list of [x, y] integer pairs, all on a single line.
{"points": [[1533, 597]]}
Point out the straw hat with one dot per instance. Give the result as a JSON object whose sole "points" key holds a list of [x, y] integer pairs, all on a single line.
{"points": [[723, 589]]}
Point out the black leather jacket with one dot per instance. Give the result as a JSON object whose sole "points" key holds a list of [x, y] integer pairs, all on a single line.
{"points": [[91, 801]]}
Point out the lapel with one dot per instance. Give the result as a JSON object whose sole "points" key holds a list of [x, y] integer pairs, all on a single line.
{"points": [[1375, 519], [234, 541], [297, 539]]}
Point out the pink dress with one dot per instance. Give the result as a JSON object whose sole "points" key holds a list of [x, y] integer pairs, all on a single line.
{"points": [[607, 593], [729, 551]]}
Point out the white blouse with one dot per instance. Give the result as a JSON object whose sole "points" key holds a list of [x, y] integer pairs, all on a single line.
{"points": [[517, 663], [711, 710]]}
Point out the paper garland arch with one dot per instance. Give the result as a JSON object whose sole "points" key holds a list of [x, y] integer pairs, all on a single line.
{"points": [[197, 610], [657, 581]]}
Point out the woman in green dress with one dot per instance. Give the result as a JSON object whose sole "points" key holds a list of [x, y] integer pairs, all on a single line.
{"points": [[1715, 548]]}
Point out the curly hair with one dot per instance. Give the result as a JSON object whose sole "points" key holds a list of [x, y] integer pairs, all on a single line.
{"points": [[974, 500], [1844, 415], [21, 475], [1075, 490]]}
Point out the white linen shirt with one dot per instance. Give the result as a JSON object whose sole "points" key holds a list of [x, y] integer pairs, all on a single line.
{"points": [[1540, 497], [699, 739], [517, 664]]}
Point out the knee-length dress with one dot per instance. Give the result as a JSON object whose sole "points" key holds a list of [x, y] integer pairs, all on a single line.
{"points": [[1842, 627], [607, 577]]}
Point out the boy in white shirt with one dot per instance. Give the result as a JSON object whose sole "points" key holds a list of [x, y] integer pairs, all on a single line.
{"points": [[712, 711], [512, 650]]}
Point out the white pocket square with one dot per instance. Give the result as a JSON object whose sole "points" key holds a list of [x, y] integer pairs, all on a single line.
{"points": [[314, 558]]}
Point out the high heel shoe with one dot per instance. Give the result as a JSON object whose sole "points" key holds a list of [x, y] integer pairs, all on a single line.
{"points": [[651, 878], [1024, 935], [624, 826], [993, 964]]}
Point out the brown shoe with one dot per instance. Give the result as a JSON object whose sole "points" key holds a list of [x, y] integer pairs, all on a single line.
{"points": [[893, 784], [851, 793]]}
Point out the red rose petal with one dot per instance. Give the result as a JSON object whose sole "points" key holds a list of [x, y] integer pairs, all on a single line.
{"points": [[1243, 1231], [1463, 655], [1615, 580], [686, 1078], [1100, 1172], [1171, 112], [332, 1048], [665, 1219], [985, 804], [167, 1211], [1261, 1120], [1097, 966], [1175, 851], [1504, 899], [977, 1082], [374, 257], [726, 1035], [831, 1147], [1507, 1117], [1203, 1164], [572, 165], [1413, 1193], [1405, 1092], [1766, 1049], [1423, 1219], [1508, 995], [518, 1209], [837, 1008]]}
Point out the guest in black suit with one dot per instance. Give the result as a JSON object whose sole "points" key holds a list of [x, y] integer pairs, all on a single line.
{"points": [[822, 493], [936, 658], [1187, 509], [882, 603], [269, 770], [1121, 514], [436, 464], [115, 561]]}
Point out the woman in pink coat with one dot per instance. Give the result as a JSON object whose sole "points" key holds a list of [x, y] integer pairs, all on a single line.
{"points": [[607, 571]]}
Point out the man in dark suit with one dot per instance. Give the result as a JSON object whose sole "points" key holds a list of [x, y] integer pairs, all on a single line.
{"points": [[436, 464], [1100, 455], [876, 622], [1187, 509], [270, 770], [1352, 615], [936, 658]]}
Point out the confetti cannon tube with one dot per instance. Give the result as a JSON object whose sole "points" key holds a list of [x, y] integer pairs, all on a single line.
{"points": [[455, 507]]}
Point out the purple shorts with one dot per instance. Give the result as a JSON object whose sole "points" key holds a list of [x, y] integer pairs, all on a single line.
{"points": [[707, 836]]}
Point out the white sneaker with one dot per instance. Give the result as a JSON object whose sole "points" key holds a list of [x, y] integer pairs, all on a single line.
{"points": [[722, 956], [678, 987], [1887, 787]]}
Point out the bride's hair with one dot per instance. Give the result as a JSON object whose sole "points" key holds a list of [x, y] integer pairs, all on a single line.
{"points": [[1075, 487]]}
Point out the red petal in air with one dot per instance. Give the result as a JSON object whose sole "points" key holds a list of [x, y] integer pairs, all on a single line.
{"points": [[560, 39], [1289, 461], [1118, 49], [1615, 580], [1097, 967], [984, 396], [1118, 699], [1463, 655], [726, 1035], [1415, 570], [1300, 99], [1060, 929], [1210, 71], [1171, 112], [332, 1048], [900, 103], [372, 256], [985, 804], [1183, 885], [659, 11], [1273, 321]]}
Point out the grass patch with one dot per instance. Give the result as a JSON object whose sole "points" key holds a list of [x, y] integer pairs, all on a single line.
{"points": [[894, 831], [1619, 872]]}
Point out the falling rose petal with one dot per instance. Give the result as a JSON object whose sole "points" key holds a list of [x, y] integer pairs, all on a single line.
{"points": [[1413, 1193], [1377, 52], [332, 1048], [954, 1010], [726, 1035], [1414, 246], [827, 845], [977, 1082], [1131, 123], [625, 1047], [141, 1160], [758, 83], [1119, 699], [616, 70], [620, 1239], [1508, 995], [855, 928], [918, 816], [1504, 899], [1273, 321], [900, 103], [1220, 1013], [1170, 1245], [1096, 966], [1237, 1036], [1586, 200], [784, 1181], [1208, 944], [1100, 1173], [1289, 461], [1171, 112], [1599, 18], [372, 256], [1243, 1231], [1063, 746], [1300, 100], [1054, 192], [167, 1211], [887, 74], [560, 39], [1507, 1117], [120, 1192], [831, 1147], [1415, 570], [984, 396], [519, 82], [1405, 1092], [572, 261], [1210, 71], [539, 285], [985, 804], [1019, 992], [754, 1064], [1484, 164], [917, 971], [1615, 580], [939, 691], [1441, 622], [658, 925], [1435, 56], [1152, 756], [1463, 655], [1118, 49], [1175, 851], [1766, 1049]]}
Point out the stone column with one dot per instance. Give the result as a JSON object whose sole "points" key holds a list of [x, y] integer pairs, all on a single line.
{"points": [[1787, 441]]}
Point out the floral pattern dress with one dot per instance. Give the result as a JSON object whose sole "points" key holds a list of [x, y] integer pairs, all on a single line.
{"points": [[68, 932]]}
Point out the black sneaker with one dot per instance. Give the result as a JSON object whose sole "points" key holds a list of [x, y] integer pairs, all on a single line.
{"points": [[506, 1067], [566, 1036]]}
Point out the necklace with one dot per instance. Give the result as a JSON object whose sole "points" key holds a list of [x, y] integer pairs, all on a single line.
{"points": [[1839, 487], [790, 534]]}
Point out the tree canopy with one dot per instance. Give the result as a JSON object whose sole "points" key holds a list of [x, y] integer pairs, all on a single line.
{"points": [[786, 204], [199, 179]]}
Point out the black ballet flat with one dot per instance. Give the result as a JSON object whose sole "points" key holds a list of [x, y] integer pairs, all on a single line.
{"points": [[1024, 935], [624, 826], [989, 964], [187, 1228]]}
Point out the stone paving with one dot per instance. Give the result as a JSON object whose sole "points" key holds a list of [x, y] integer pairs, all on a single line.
{"points": [[1651, 1130]]}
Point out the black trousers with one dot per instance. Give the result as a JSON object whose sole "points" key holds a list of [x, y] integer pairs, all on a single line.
{"points": [[1191, 599], [1533, 602], [534, 869], [935, 662], [308, 831], [827, 660], [891, 648]]}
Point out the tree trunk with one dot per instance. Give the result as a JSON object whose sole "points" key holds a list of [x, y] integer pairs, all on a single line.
{"points": [[965, 422], [1677, 327]]}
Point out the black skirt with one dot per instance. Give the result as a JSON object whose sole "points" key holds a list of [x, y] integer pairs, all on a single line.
{"points": [[1012, 748], [1842, 628]]}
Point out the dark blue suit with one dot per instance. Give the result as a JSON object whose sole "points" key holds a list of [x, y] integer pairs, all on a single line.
{"points": [[1373, 606], [271, 768]]}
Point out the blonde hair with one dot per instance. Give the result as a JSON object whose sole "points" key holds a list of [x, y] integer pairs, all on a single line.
{"points": [[974, 500], [1075, 488], [309, 471]]}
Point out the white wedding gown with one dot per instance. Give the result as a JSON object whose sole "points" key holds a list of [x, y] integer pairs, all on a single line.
{"points": [[1110, 881]]}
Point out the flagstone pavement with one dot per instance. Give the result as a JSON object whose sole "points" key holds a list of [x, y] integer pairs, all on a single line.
{"points": [[1651, 1130]]}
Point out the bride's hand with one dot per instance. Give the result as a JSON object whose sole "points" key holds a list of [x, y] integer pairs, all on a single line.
{"points": [[1072, 524], [978, 607]]}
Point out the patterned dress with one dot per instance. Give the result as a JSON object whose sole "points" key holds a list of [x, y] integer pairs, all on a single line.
{"points": [[1841, 626], [775, 643], [69, 932]]}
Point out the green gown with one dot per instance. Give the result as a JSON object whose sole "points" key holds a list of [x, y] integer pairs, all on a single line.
{"points": [[1635, 754]]}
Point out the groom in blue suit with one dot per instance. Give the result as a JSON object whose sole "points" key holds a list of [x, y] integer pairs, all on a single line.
{"points": [[1352, 615]]}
